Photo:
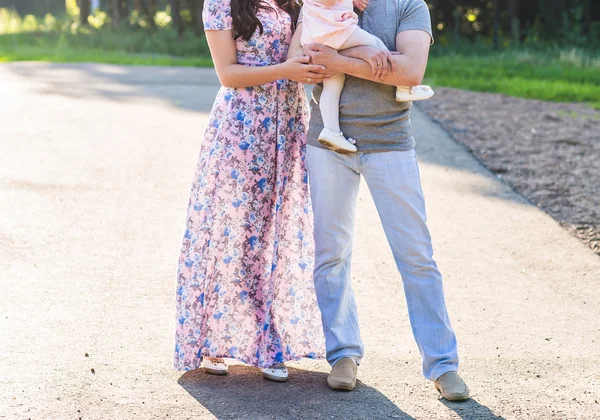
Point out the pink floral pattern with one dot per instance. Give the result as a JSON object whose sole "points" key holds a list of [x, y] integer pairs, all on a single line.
{"points": [[245, 286]]}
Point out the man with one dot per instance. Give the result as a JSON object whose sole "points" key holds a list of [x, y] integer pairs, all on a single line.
{"points": [[387, 160]]}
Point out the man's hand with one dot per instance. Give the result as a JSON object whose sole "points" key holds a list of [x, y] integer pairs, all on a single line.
{"points": [[325, 56], [361, 4], [381, 61], [409, 62]]}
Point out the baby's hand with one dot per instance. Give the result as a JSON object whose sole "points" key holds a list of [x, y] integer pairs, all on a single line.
{"points": [[361, 4], [348, 15], [306, 50]]}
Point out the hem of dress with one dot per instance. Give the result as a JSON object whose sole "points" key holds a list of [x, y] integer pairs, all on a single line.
{"points": [[247, 362], [337, 40]]}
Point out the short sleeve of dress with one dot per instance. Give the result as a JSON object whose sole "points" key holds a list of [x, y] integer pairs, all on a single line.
{"points": [[216, 15]]}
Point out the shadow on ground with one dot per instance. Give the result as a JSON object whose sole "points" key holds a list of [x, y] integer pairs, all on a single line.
{"points": [[471, 410], [190, 89], [245, 394]]}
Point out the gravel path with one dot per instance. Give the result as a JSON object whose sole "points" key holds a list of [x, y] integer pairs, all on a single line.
{"points": [[95, 166], [549, 152]]}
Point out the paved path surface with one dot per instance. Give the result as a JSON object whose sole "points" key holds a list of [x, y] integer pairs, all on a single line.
{"points": [[95, 165]]}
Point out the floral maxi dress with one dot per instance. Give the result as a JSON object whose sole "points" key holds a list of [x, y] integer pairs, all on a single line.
{"points": [[244, 279]]}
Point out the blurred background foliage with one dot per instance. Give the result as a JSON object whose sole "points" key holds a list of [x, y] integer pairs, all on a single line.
{"points": [[546, 49]]}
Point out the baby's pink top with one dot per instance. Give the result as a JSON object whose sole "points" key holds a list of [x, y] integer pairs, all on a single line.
{"points": [[323, 22]]}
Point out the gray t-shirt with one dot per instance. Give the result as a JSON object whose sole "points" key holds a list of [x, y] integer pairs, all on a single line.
{"points": [[369, 112]]}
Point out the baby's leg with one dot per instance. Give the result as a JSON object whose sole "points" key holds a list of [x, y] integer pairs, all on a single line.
{"points": [[330, 101], [360, 38], [331, 136], [332, 87]]}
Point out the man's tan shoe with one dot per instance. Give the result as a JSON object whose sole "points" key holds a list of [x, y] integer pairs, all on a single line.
{"points": [[452, 387], [343, 375]]}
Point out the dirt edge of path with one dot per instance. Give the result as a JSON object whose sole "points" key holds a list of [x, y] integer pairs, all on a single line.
{"points": [[547, 152]]}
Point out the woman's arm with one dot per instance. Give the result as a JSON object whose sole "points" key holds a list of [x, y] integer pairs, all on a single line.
{"points": [[232, 74], [408, 65]]}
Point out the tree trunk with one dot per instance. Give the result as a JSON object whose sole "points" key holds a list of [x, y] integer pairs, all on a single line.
{"points": [[199, 19], [587, 18], [85, 8], [513, 17], [557, 10], [496, 25], [434, 13], [456, 26], [558, 7], [115, 6], [124, 5], [144, 10], [152, 9], [195, 8], [176, 16]]}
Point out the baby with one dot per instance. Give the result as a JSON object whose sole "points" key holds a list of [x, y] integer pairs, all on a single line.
{"points": [[333, 23]]}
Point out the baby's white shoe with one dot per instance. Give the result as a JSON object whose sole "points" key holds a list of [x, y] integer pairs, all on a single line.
{"points": [[336, 141], [413, 93], [215, 366], [277, 373]]}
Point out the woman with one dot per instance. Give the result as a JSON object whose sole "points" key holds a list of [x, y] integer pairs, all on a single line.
{"points": [[245, 270]]}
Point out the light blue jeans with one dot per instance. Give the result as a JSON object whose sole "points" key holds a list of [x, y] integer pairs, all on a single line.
{"points": [[394, 183]]}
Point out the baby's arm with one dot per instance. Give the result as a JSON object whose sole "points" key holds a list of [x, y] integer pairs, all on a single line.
{"points": [[296, 49]]}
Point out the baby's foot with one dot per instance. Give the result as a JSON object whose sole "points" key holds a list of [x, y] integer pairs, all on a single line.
{"points": [[413, 93], [336, 141]]}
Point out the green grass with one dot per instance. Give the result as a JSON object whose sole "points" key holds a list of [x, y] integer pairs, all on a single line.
{"points": [[100, 56], [114, 47], [561, 76]]}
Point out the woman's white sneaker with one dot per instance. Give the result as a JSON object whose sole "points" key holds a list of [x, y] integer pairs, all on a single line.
{"points": [[215, 366], [277, 373], [413, 93], [336, 141]]}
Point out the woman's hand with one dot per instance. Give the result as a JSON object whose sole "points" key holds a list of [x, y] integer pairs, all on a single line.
{"points": [[381, 61], [327, 57], [299, 70]]}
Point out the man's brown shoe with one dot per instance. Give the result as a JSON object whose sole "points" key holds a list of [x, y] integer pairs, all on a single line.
{"points": [[452, 387], [343, 375]]}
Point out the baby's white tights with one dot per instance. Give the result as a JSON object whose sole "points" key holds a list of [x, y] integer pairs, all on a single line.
{"points": [[332, 87]]}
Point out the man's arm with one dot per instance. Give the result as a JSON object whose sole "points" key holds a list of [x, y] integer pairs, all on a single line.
{"points": [[407, 67]]}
